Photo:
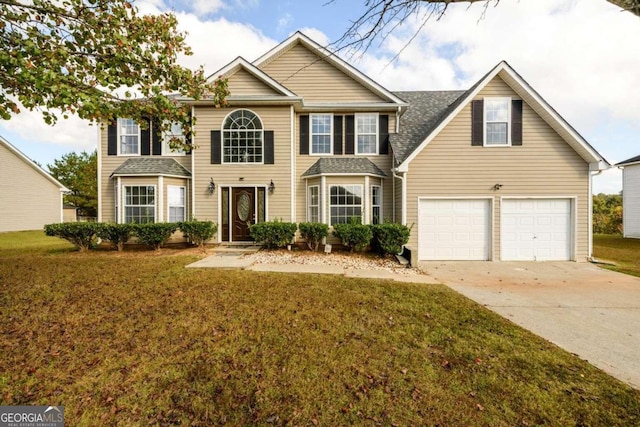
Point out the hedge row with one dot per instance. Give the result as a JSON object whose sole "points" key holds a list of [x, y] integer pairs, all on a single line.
{"points": [[387, 238], [84, 235]]}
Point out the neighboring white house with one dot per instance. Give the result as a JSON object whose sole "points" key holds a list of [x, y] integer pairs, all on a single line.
{"points": [[631, 197], [29, 196]]}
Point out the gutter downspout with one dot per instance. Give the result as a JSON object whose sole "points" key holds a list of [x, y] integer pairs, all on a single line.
{"points": [[403, 194], [590, 249]]}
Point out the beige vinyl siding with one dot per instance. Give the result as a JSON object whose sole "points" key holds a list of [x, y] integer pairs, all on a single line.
{"points": [[110, 164], [244, 83], [28, 199], [308, 75], [544, 166], [277, 119], [304, 162]]}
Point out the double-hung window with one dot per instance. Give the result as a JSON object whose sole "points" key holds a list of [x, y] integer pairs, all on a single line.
{"points": [[366, 134], [176, 203], [496, 121], [139, 204], [174, 133], [314, 204], [345, 202], [376, 204], [321, 131], [129, 137]]}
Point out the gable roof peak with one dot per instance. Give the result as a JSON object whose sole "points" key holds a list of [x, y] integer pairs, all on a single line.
{"points": [[332, 58]]}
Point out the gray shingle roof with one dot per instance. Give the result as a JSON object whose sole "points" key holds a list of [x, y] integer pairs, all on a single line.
{"points": [[635, 159], [427, 109], [151, 166], [343, 165]]}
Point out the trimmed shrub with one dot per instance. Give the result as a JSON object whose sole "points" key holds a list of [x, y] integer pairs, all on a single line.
{"points": [[313, 233], [118, 234], [273, 234], [198, 232], [81, 234], [354, 235], [389, 238], [154, 234]]}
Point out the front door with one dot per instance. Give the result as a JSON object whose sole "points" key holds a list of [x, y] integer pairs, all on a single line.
{"points": [[243, 215]]}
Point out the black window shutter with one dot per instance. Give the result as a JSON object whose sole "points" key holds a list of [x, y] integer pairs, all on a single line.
{"points": [[477, 123], [156, 138], [337, 134], [268, 147], [112, 139], [145, 139], [215, 147], [188, 140], [349, 134], [304, 134], [516, 122], [383, 130]]}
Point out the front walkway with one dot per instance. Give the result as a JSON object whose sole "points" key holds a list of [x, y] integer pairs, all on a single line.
{"points": [[587, 310]]}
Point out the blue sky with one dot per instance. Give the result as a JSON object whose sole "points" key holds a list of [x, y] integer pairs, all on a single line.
{"points": [[580, 55]]}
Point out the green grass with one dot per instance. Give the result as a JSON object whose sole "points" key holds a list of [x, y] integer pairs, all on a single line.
{"points": [[134, 338], [624, 252]]}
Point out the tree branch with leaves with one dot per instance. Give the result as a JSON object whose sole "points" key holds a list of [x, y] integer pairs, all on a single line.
{"points": [[382, 17], [97, 59]]}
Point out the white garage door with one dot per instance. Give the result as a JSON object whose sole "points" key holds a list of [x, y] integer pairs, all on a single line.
{"points": [[536, 230], [454, 229]]}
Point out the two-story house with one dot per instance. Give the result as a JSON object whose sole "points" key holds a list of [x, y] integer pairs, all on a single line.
{"points": [[491, 173]]}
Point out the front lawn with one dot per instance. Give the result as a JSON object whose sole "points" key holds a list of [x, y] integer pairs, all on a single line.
{"points": [[624, 252], [134, 338]]}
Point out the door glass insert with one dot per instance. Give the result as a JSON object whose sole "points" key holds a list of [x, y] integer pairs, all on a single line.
{"points": [[243, 206]]}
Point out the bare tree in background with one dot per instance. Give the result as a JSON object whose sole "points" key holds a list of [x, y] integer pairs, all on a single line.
{"points": [[382, 17]]}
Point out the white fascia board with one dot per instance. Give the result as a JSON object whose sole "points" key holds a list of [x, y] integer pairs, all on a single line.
{"points": [[154, 175], [347, 68], [343, 174], [33, 165], [355, 106]]}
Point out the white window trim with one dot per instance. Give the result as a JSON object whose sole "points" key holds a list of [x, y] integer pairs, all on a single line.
{"points": [[379, 187], [124, 201], [309, 205], [361, 200], [119, 127], [331, 130], [184, 206], [377, 146], [484, 121], [222, 131], [166, 150]]}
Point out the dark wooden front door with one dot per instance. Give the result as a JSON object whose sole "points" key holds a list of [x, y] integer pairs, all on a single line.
{"points": [[243, 213]]}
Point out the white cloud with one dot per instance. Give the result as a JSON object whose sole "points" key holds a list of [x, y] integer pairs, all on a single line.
{"points": [[216, 43], [205, 7], [284, 22], [72, 132], [316, 35]]}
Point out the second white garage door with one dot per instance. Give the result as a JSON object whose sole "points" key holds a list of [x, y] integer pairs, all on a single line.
{"points": [[454, 229], [536, 230]]}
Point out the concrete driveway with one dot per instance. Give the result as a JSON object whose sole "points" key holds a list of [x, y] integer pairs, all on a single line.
{"points": [[587, 310]]}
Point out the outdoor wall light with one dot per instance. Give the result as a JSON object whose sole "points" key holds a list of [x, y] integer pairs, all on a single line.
{"points": [[212, 186], [497, 187], [272, 187]]}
